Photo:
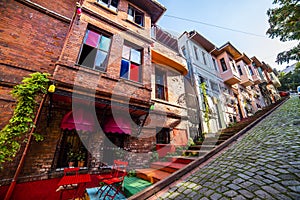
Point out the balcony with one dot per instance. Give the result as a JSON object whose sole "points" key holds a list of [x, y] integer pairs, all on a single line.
{"points": [[256, 79], [230, 78], [246, 80]]}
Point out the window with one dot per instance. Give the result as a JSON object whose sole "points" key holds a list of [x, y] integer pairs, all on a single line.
{"points": [[94, 53], [214, 86], [71, 147], [250, 70], [160, 84], [232, 64], [204, 60], [196, 52], [162, 135], [135, 16], [131, 67], [240, 70], [184, 51], [215, 64], [223, 64], [202, 80], [111, 4]]}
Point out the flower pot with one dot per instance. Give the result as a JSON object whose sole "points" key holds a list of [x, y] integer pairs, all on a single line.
{"points": [[71, 164], [80, 163]]}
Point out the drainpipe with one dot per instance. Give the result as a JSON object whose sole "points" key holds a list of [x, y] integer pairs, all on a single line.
{"points": [[21, 163]]}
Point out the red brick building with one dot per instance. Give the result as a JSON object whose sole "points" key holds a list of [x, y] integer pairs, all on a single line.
{"points": [[99, 56]]}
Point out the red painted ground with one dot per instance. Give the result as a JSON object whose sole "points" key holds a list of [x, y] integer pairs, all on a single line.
{"points": [[45, 189]]}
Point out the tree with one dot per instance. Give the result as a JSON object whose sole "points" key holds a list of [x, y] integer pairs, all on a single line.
{"points": [[291, 80], [285, 23]]}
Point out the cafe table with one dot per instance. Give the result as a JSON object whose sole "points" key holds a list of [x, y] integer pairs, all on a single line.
{"points": [[76, 183]]}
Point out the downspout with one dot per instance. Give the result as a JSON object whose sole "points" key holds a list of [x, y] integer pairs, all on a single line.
{"points": [[21, 163]]}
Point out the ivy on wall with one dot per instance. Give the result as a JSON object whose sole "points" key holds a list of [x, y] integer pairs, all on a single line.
{"points": [[22, 120], [205, 100]]}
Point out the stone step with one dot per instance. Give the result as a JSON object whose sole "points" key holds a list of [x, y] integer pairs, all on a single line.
{"points": [[151, 175], [202, 147], [194, 152], [169, 167], [182, 159]]}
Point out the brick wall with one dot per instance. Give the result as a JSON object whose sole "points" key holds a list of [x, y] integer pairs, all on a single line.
{"points": [[29, 39]]}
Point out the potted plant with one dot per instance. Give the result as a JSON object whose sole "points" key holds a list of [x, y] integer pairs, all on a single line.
{"points": [[71, 157], [81, 158]]}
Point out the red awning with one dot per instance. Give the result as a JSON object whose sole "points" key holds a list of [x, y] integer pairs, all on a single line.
{"points": [[117, 125], [80, 120]]}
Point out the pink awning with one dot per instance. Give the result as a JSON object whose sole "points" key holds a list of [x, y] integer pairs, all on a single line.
{"points": [[82, 120], [117, 125]]}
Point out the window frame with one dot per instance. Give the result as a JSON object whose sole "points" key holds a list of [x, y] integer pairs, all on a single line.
{"points": [[132, 18], [204, 59], [132, 63], [240, 70], [215, 64], [160, 137], [80, 59], [158, 86], [109, 4], [223, 65], [196, 53]]}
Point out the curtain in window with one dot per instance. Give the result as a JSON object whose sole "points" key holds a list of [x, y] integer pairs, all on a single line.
{"points": [[92, 39], [124, 69]]}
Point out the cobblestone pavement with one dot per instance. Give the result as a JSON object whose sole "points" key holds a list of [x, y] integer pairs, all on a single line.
{"points": [[264, 164]]}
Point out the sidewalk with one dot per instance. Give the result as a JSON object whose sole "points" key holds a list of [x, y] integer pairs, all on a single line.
{"points": [[264, 164]]}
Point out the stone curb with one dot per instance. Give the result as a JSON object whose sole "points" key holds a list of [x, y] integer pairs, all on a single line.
{"points": [[148, 192]]}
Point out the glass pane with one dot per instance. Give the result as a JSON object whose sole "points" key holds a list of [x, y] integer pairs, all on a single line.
{"points": [[114, 3], [126, 52], [101, 60], [135, 56], [87, 56], [105, 43], [135, 72], [124, 69], [92, 39]]}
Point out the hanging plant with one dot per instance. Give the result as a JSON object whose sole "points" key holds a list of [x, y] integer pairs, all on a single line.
{"points": [[205, 100], [22, 120]]}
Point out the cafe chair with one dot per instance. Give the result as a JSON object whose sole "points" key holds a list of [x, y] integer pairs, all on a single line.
{"points": [[68, 172], [111, 186]]}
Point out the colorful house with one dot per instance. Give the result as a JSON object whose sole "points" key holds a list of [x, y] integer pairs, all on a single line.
{"points": [[204, 70], [169, 116], [99, 56]]}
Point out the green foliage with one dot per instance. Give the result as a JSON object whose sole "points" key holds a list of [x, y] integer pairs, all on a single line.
{"points": [[206, 111], [22, 120], [284, 23], [132, 173], [154, 156], [291, 80]]}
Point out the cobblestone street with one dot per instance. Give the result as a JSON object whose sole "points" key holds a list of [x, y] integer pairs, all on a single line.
{"points": [[264, 164]]}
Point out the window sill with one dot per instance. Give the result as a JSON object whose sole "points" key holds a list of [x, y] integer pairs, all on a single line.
{"points": [[167, 103], [106, 8], [132, 22], [130, 82], [89, 70]]}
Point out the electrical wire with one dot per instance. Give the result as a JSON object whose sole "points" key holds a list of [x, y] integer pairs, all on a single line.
{"points": [[216, 26]]}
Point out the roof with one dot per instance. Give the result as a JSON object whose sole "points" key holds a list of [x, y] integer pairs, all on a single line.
{"points": [[202, 41], [228, 47], [245, 58], [153, 7], [256, 61]]}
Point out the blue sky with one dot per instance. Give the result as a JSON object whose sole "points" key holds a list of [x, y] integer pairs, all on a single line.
{"points": [[246, 15]]}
